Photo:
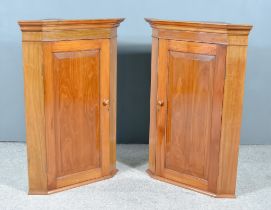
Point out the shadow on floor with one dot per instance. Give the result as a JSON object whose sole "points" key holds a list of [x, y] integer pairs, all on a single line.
{"points": [[254, 170], [133, 155]]}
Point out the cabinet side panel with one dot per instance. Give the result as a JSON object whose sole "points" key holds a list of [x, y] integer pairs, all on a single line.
{"points": [[153, 131], [34, 113], [113, 103], [104, 108], [231, 118]]}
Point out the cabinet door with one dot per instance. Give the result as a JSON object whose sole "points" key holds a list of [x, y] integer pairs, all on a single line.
{"points": [[189, 100], [76, 107]]}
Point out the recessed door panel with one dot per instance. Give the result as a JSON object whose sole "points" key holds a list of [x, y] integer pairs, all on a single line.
{"points": [[190, 87], [190, 91], [76, 84], [76, 99]]}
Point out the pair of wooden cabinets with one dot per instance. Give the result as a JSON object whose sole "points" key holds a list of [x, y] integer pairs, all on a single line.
{"points": [[196, 101]]}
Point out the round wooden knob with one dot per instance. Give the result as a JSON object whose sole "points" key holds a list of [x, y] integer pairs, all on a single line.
{"points": [[105, 102], [160, 103]]}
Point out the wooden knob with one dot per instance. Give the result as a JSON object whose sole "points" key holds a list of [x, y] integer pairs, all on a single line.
{"points": [[160, 103], [105, 102]]}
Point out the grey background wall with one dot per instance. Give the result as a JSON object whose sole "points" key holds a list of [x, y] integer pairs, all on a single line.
{"points": [[134, 57]]}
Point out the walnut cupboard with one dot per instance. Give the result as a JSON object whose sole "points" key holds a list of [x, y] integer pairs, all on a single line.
{"points": [[197, 85], [70, 101]]}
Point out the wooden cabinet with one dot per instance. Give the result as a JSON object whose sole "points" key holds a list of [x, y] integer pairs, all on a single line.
{"points": [[70, 101], [197, 81]]}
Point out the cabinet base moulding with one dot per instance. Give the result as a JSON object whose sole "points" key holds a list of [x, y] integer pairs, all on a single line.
{"points": [[74, 185], [188, 187]]}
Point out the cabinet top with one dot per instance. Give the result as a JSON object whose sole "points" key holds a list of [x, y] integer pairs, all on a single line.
{"points": [[60, 24], [215, 27]]}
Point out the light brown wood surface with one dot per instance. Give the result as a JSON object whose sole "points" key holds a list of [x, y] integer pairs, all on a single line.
{"points": [[34, 114], [231, 118], [196, 104], [113, 104], [153, 101], [70, 94]]}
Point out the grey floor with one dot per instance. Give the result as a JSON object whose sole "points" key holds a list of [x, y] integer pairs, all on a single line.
{"points": [[132, 188]]}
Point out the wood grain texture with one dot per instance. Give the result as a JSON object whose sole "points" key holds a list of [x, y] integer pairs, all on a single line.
{"points": [[70, 67], [200, 70], [62, 25], [231, 119], [190, 90], [189, 187], [206, 37], [192, 36], [70, 186], [78, 122], [104, 111], [113, 104], [162, 82], [211, 27], [207, 32], [101, 33], [34, 114], [79, 177], [194, 108], [199, 48], [153, 108], [217, 109], [76, 83]]}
